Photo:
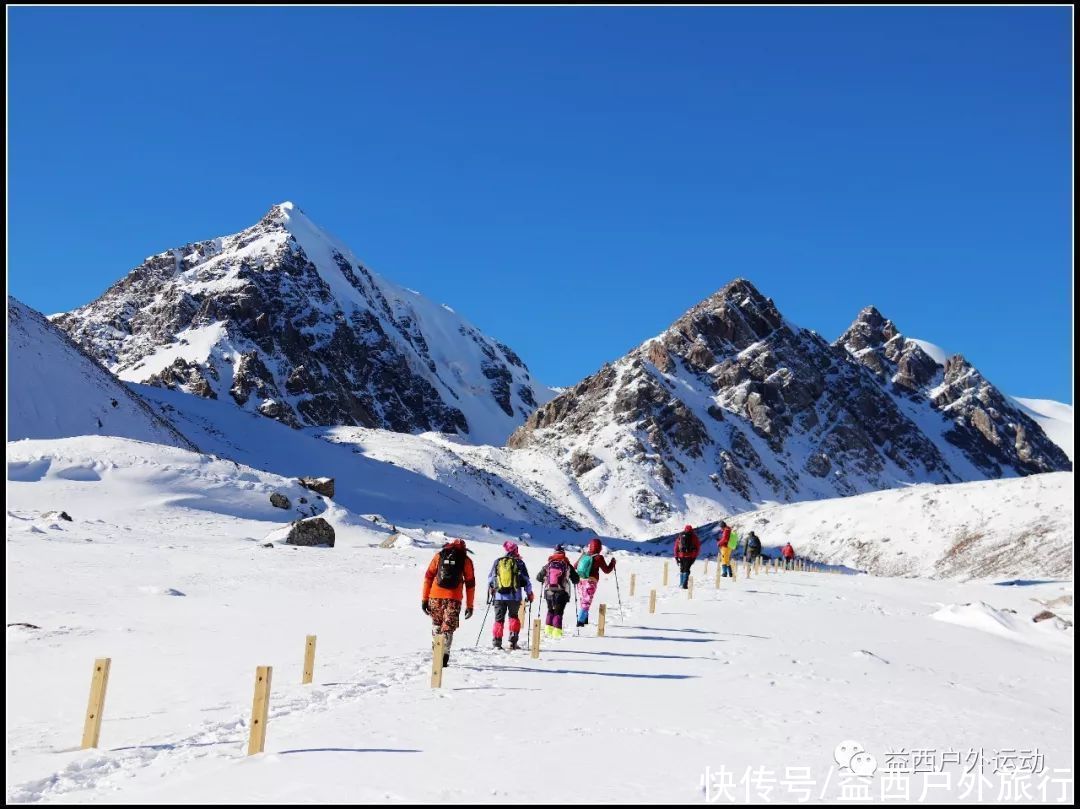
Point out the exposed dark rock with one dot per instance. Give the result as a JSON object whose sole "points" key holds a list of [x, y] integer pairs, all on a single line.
{"points": [[310, 532], [278, 500], [582, 462], [185, 376], [323, 486]]}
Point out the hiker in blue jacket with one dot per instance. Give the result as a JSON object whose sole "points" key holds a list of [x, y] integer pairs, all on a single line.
{"points": [[506, 580]]}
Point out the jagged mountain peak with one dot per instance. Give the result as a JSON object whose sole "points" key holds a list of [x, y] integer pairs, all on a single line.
{"points": [[997, 437], [286, 320], [733, 406]]}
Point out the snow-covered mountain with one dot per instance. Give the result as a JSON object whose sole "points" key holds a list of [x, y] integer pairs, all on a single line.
{"points": [[734, 406], [995, 435], [56, 390], [1056, 419], [286, 321]]}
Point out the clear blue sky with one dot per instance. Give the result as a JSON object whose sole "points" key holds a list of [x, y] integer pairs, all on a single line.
{"points": [[572, 180]]}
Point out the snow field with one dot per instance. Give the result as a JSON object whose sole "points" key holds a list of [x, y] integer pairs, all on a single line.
{"points": [[769, 671]]}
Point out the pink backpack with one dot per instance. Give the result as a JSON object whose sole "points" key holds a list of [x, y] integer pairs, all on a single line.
{"points": [[556, 574]]}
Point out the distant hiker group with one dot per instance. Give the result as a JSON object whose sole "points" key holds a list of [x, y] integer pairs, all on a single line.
{"points": [[688, 548], [450, 575]]}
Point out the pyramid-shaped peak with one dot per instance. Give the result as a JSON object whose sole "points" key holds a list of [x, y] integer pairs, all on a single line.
{"points": [[740, 287], [871, 315], [284, 213], [870, 329]]}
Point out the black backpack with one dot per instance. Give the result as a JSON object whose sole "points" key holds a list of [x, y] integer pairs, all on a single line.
{"points": [[451, 567], [686, 543]]}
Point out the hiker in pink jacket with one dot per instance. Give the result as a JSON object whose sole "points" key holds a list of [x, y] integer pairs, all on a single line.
{"points": [[589, 567]]}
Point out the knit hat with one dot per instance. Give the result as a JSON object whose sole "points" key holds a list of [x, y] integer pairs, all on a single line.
{"points": [[510, 547]]}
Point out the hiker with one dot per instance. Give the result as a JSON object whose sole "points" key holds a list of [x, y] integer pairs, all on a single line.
{"points": [[788, 553], [557, 576], [687, 548], [505, 581], [753, 548], [450, 570], [724, 549], [589, 567]]}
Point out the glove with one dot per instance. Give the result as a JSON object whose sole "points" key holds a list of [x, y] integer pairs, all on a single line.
{"points": [[530, 598], [424, 606], [468, 613], [613, 561]]}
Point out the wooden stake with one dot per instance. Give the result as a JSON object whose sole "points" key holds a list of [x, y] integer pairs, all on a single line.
{"points": [[600, 623], [719, 570], [438, 649], [664, 582], [260, 708], [98, 683], [706, 571], [690, 588], [652, 601], [309, 660], [534, 652], [633, 582], [733, 567]]}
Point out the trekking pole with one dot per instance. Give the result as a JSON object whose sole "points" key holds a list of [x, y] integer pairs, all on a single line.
{"points": [[481, 632], [618, 592], [577, 628], [529, 627]]}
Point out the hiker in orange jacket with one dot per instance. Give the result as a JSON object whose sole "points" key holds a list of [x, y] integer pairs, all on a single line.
{"points": [[449, 572]]}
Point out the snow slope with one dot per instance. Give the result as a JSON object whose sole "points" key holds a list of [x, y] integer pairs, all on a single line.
{"points": [[1017, 527], [55, 389], [165, 573], [1056, 419], [372, 474], [935, 352]]}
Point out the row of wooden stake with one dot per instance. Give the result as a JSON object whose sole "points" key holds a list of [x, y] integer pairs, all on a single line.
{"points": [[260, 705]]}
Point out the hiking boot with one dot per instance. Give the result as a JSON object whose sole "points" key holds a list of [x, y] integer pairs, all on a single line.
{"points": [[514, 641], [446, 659], [556, 632], [496, 642]]}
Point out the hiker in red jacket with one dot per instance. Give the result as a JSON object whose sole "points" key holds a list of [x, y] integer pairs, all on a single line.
{"points": [[687, 548], [788, 553]]}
